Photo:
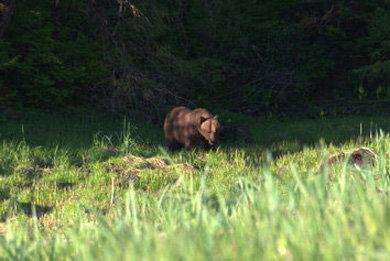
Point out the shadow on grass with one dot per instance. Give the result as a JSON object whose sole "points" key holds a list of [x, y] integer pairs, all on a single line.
{"points": [[4, 194], [28, 209], [63, 185], [5, 171], [76, 131], [33, 209]]}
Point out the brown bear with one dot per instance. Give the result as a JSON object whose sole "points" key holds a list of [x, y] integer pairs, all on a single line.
{"points": [[183, 127]]}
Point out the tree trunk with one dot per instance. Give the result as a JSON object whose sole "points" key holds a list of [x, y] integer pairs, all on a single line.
{"points": [[6, 12]]}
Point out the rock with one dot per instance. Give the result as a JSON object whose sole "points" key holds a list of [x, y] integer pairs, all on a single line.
{"points": [[282, 170], [361, 157]]}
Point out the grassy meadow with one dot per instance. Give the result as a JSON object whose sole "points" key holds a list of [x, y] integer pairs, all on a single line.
{"points": [[93, 186]]}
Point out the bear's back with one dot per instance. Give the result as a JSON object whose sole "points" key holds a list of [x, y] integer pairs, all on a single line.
{"points": [[200, 113], [177, 116], [176, 124]]}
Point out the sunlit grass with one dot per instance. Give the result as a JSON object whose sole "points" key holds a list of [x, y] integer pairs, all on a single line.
{"points": [[97, 197]]}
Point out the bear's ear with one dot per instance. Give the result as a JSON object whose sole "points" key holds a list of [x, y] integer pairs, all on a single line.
{"points": [[216, 117], [202, 119]]}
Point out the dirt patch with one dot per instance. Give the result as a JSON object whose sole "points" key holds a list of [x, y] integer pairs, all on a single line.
{"points": [[119, 169], [133, 165], [146, 163]]}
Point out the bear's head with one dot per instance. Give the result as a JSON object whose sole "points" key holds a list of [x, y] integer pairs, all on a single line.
{"points": [[209, 129]]}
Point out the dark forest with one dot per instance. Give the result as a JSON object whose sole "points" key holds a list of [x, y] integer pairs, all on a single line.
{"points": [[275, 58]]}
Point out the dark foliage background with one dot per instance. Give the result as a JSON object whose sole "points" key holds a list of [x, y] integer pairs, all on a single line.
{"points": [[310, 57]]}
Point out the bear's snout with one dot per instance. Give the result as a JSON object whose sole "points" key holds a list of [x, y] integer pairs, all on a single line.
{"points": [[212, 142]]}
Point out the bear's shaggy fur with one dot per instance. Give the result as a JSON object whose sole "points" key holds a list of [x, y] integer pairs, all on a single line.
{"points": [[183, 127]]}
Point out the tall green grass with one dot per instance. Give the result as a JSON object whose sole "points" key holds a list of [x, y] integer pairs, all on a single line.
{"points": [[309, 220], [231, 205]]}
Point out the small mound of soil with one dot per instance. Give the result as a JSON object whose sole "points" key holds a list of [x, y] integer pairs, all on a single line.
{"points": [[146, 163], [282, 170], [361, 157]]}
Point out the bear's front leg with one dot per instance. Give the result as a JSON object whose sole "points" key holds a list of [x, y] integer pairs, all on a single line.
{"points": [[189, 145], [174, 146]]}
